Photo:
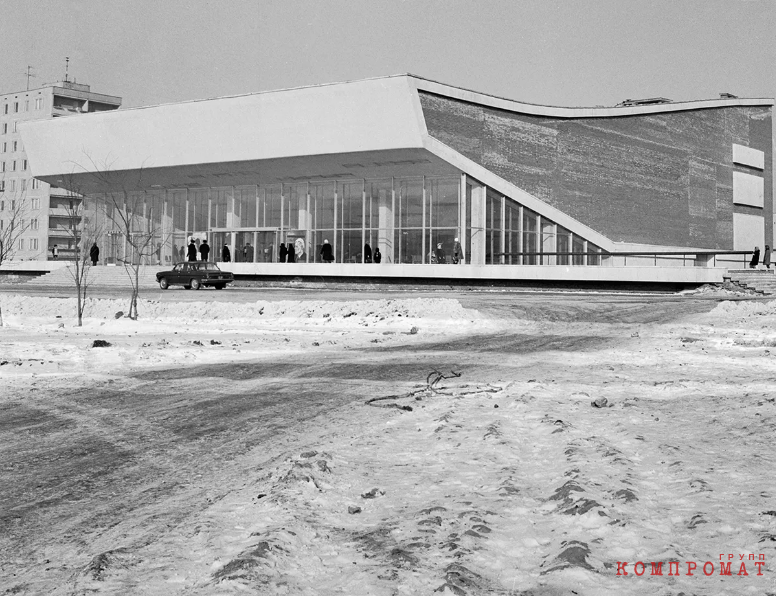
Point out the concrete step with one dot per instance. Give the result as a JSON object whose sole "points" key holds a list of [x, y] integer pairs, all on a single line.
{"points": [[98, 277]]}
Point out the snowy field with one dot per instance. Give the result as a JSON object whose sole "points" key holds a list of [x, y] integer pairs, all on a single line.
{"points": [[227, 447]]}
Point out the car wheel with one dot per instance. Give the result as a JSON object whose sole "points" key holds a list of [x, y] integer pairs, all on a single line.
{"points": [[195, 285], [219, 286], [163, 283]]}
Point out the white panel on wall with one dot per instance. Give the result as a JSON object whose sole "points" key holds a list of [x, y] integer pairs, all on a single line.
{"points": [[748, 189], [748, 231], [749, 157]]}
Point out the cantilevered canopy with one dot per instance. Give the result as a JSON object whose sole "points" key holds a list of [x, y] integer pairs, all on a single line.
{"points": [[365, 128]]}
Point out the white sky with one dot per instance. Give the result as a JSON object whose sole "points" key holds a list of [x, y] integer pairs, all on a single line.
{"points": [[570, 52]]}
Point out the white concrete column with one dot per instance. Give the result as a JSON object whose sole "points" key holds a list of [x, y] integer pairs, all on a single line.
{"points": [[385, 210], [477, 256]]}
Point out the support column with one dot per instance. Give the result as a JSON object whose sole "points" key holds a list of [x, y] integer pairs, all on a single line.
{"points": [[385, 220], [462, 206], [477, 256]]}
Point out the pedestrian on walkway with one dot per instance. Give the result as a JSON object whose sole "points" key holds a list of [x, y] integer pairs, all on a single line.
{"points": [[204, 250], [94, 254], [192, 251], [767, 257], [755, 258]]}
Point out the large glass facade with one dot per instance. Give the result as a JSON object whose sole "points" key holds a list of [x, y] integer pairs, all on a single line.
{"points": [[409, 220]]}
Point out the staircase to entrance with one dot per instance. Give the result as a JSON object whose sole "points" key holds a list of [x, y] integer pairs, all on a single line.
{"points": [[762, 281], [99, 277]]}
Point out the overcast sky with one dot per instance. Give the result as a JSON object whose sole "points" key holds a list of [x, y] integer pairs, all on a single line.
{"points": [[569, 53]]}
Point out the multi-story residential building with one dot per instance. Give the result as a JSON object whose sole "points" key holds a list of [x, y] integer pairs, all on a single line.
{"points": [[46, 211]]}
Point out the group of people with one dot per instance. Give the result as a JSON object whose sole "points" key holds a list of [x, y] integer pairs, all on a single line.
{"points": [[295, 252], [192, 251], [438, 256], [756, 257]]}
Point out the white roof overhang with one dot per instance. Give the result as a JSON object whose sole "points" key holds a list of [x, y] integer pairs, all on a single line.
{"points": [[373, 122]]}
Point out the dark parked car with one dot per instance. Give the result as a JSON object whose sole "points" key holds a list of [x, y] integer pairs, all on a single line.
{"points": [[195, 274]]}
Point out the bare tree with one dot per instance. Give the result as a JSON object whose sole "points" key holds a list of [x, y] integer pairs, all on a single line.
{"points": [[13, 223], [132, 211], [83, 230]]}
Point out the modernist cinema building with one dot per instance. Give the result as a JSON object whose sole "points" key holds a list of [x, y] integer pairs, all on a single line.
{"points": [[404, 165]]}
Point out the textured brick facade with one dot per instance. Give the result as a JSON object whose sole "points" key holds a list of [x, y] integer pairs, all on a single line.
{"points": [[663, 178]]}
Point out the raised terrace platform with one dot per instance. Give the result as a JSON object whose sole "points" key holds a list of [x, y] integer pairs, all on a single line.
{"points": [[54, 273]]}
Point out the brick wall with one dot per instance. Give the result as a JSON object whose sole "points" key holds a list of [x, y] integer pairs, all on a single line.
{"points": [[656, 179]]}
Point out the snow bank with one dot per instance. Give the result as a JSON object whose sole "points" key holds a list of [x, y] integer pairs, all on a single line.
{"points": [[743, 308], [312, 311]]}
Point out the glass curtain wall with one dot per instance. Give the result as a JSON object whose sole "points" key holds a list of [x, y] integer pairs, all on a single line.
{"points": [[348, 243], [442, 212], [378, 224], [410, 220], [493, 248], [511, 233], [176, 203]]}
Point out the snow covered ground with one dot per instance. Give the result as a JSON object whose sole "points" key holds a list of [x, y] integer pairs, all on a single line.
{"points": [[503, 480]]}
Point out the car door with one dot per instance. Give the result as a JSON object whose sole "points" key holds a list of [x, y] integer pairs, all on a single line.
{"points": [[177, 271]]}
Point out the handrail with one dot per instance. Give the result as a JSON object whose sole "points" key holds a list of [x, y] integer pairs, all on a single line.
{"points": [[685, 255], [628, 253]]}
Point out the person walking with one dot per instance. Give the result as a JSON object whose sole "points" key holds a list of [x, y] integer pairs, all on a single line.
{"points": [[755, 258], [182, 254], [290, 255], [327, 254], [94, 254], [283, 253], [767, 257], [204, 250], [377, 256], [367, 253], [192, 251], [226, 255], [457, 252]]}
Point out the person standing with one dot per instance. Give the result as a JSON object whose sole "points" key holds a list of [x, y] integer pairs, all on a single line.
{"points": [[182, 254], [192, 251], [94, 254], [440, 254], [226, 255], [290, 255], [283, 253], [247, 253], [767, 257], [457, 252], [204, 250], [755, 258], [367, 253], [377, 256], [55, 252], [327, 254]]}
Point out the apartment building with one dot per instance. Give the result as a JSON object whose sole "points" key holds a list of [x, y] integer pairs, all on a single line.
{"points": [[44, 211]]}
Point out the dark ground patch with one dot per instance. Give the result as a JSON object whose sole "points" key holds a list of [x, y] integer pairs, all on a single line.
{"points": [[509, 344]]}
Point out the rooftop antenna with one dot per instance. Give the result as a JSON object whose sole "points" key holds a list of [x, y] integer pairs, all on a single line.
{"points": [[67, 66], [29, 75]]}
